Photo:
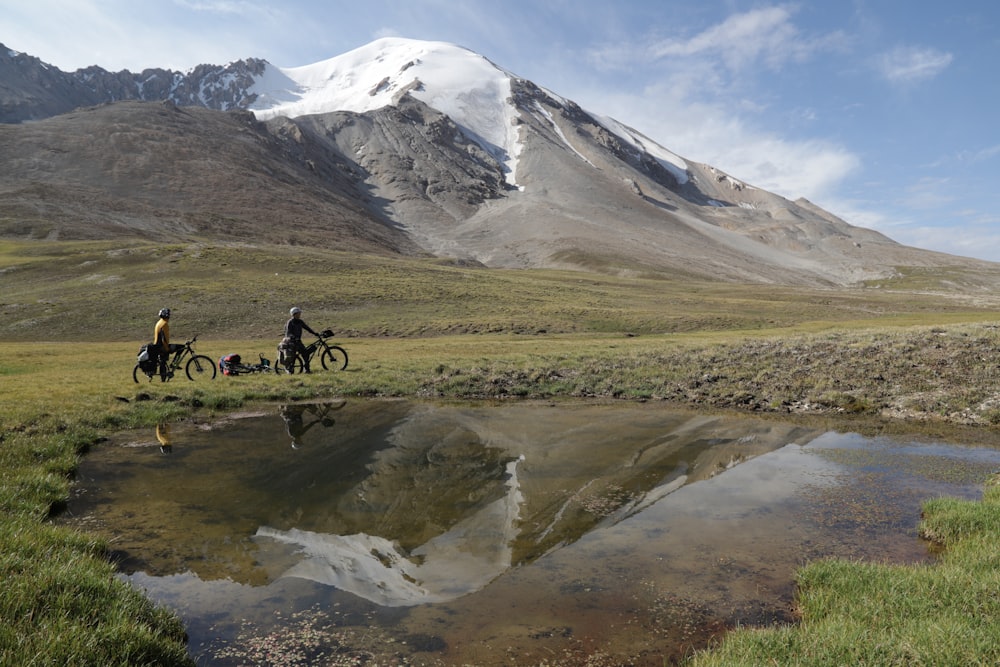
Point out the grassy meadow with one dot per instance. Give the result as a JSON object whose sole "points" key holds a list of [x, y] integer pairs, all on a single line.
{"points": [[917, 352]]}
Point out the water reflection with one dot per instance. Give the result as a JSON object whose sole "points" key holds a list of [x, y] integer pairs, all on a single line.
{"points": [[295, 415], [164, 438], [461, 560], [542, 528]]}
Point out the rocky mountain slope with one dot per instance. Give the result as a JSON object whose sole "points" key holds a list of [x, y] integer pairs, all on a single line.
{"points": [[402, 147], [161, 172]]}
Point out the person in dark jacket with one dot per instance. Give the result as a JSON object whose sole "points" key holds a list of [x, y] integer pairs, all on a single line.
{"points": [[293, 331]]}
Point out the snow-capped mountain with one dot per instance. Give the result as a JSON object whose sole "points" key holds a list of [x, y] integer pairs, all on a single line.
{"points": [[466, 87], [406, 146]]}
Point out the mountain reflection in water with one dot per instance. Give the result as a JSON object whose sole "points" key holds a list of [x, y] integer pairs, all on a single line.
{"points": [[446, 507], [462, 560], [406, 484]]}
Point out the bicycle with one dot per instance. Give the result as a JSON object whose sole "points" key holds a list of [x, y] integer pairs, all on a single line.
{"points": [[197, 367], [333, 357], [240, 368]]}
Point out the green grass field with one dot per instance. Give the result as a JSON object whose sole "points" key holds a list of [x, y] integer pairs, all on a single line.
{"points": [[911, 353], [100, 291]]}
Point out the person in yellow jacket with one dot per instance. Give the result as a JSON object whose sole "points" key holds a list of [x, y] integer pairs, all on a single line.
{"points": [[161, 341]]}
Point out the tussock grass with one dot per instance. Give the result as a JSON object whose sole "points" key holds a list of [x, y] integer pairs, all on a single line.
{"points": [[72, 316], [61, 601]]}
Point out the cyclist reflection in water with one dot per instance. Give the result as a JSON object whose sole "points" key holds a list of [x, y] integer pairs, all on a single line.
{"points": [[163, 435], [295, 425]]}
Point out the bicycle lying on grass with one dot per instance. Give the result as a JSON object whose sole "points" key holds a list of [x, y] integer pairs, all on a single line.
{"points": [[232, 364], [333, 357], [197, 366]]}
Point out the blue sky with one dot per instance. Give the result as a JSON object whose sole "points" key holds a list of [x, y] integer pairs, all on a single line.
{"points": [[884, 112]]}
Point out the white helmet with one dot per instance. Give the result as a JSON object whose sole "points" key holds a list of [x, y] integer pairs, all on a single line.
{"points": [[295, 311]]}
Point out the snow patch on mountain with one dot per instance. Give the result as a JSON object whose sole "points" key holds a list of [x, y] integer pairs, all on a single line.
{"points": [[558, 130], [669, 161]]}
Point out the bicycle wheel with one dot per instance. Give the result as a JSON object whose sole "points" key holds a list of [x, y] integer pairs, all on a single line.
{"points": [[200, 367], [137, 371], [334, 358], [296, 366]]}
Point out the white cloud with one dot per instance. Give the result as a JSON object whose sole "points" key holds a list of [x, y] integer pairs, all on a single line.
{"points": [[215, 6], [977, 236], [929, 193], [119, 34], [909, 64], [713, 134], [761, 37], [926, 217], [862, 214], [983, 154], [703, 103], [979, 241], [742, 40]]}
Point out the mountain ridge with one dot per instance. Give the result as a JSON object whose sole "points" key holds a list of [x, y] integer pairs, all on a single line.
{"points": [[458, 160]]}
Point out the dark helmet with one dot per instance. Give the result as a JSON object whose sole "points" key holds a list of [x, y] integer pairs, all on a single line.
{"points": [[165, 313]]}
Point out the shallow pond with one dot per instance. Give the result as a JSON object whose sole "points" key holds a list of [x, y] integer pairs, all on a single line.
{"points": [[396, 532]]}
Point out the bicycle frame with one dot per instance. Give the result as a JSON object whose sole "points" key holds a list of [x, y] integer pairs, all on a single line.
{"points": [[312, 348], [179, 355], [184, 357], [333, 357]]}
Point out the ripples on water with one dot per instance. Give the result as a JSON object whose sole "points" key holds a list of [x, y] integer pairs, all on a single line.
{"points": [[394, 532]]}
